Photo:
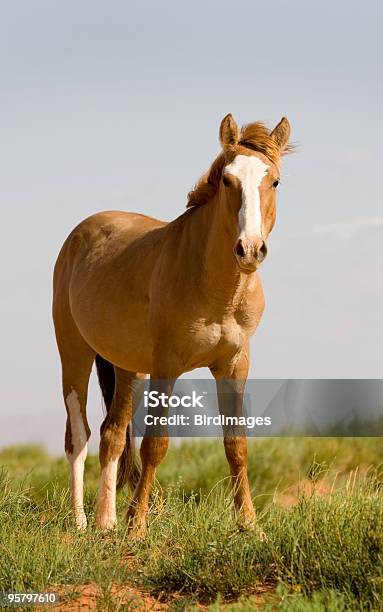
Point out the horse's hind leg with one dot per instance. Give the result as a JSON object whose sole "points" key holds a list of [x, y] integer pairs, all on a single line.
{"points": [[76, 360], [153, 450], [112, 444]]}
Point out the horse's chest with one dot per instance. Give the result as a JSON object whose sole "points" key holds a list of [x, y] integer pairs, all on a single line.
{"points": [[232, 334], [206, 336]]}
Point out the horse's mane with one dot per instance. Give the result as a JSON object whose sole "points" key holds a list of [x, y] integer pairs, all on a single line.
{"points": [[255, 136]]}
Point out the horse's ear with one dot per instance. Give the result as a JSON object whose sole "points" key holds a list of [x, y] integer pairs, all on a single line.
{"points": [[228, 131], [281, 134]]}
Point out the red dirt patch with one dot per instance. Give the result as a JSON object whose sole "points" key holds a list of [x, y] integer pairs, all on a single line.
{"points": [[87, 596], [82, 598]]}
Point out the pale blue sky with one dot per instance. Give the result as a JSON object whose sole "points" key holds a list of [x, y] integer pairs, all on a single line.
{"points": [[117, 105]]}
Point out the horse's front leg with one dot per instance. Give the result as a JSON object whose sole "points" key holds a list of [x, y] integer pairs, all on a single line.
{"points": [[231, 378], [153, 449]]}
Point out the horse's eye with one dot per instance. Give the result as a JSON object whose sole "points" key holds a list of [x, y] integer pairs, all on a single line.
{"points": [[275, 184], [225, 181]]}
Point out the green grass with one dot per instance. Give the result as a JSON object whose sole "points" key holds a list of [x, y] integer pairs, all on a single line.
{"points": [[323, 553], [321, 543]]}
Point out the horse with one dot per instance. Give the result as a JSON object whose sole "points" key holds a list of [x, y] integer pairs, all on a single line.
{"points": [[141, 297]]}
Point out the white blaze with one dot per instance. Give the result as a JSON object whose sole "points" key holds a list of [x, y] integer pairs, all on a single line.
{"points": [[250, 171]]}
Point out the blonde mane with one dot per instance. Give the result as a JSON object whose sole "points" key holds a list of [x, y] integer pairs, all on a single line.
{"points": [[254, 136]]}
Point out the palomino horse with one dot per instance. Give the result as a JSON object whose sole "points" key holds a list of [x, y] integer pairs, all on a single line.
{"points": [[146, 297]]}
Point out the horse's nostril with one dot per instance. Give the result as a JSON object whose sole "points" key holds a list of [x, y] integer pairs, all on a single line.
{"points": [[239, 250], [261, 252], [263, 249]]}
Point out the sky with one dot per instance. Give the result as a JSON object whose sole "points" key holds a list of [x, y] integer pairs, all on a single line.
{"points": [[117, 105]]}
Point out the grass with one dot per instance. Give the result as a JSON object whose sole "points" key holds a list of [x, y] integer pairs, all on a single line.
{"points": [[325, 552]]}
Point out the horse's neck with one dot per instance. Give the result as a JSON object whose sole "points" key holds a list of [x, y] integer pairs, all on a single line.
{"points": [[213, 254]]}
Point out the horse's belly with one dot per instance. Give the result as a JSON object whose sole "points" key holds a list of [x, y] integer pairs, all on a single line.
{"points": [[132, 352], [125, 341]]}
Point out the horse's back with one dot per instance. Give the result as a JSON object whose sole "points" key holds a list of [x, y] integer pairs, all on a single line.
{"points": [[101, 235]]}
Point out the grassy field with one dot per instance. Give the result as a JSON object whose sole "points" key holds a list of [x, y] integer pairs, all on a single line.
{"points": [[318, 545]]}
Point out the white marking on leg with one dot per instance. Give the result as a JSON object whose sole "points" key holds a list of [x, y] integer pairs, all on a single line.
{"points": [[77, 458], [250, 171], [106, 505]]}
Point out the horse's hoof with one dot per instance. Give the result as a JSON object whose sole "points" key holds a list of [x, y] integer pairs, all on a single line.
{"points": [[106, 523], [136, 526], [247, 520], [80, 521], [251, 525], [137, 534], [247, 524]]}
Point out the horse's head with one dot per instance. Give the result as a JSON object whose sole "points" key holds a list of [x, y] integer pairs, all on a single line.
{"points": [[249, 181]]}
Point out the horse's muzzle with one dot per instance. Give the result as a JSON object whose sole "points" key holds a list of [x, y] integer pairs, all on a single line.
{"points": [[250, 254]]}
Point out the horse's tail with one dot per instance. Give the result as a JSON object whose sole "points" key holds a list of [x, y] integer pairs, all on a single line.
{"points": [[128, 469]]}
